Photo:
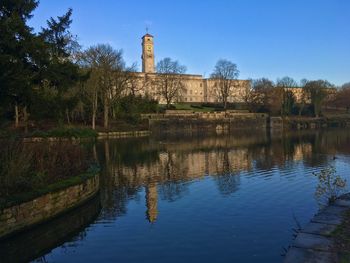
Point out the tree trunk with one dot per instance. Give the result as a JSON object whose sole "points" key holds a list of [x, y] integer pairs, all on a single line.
{"points": [[16, 116], [94, 110], [167, 104], [301, 109], [225, 104], [67, 115], [93, 120], [25, 119], [94, 150], [106, 112]]}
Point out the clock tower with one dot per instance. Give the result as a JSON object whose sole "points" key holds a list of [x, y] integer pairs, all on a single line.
{"points": [[147, 54]]}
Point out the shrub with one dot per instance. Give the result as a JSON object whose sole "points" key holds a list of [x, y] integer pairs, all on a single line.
{"points": [[196, 106], [129, 108], [66, 133], [330, 185], [26, 166]]}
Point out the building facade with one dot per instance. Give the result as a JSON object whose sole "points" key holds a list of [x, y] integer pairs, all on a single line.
{"points": [[196, 89]]}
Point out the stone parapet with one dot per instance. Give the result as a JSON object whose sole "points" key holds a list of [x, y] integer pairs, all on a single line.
{"points": [[19, 217]]}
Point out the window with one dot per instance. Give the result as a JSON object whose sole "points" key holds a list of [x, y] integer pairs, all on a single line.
{"points": [[200, 84]]}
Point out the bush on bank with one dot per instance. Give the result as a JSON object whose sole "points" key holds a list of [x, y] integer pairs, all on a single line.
{"points": [[65, 132], [28, 168]]}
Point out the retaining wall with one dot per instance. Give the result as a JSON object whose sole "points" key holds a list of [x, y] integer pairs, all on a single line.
{"points": [[45, 207], [206, 122], [315, 242]]}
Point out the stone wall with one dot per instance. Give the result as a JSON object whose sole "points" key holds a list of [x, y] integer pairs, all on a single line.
{"points": [[38, 240], [45, 207], [206, 122], [315, 123], [113, 135], [316, 241]]}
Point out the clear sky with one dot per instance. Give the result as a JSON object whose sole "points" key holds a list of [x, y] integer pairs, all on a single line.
{"points": [[265, 38]]}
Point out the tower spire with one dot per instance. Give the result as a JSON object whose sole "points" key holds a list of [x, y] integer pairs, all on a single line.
{"points": [[147, 53]]}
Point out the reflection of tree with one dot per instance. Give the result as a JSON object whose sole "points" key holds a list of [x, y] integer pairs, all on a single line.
{"points": [[164, 168], [174, 170], [172, 191], [115, 191], [319, 148], [227, 178], [228, 183]]}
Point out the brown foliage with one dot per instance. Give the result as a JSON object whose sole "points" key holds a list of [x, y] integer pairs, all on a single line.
{"points": [[27, 166]]}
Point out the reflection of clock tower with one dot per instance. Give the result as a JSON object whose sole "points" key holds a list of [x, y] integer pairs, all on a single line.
{"points": [[147, 54]]}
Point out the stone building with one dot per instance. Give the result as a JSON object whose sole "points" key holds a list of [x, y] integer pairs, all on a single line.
{"points": [[196, 88]]}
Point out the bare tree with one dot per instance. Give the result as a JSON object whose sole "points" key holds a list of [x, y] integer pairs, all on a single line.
{"points": [[169, 82], [318, 91], [304, 97], [251, 98], [286, 86], [107, 70], [134, 82], [225, 75], [342, 97], [286, 82], [263, 89]]}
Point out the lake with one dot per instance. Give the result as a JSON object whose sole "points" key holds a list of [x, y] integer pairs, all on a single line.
{"points": [[227, 198]]}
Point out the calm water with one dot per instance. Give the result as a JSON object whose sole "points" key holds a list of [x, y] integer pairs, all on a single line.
{"points": [[192, 199]]}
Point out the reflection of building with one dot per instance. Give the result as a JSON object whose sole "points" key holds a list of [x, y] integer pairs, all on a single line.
{"points": [[174, 167], [302, 150], [197, 88], [151, 202]]}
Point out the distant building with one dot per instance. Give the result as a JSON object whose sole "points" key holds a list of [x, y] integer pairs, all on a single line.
{"points": [[197, 89]]}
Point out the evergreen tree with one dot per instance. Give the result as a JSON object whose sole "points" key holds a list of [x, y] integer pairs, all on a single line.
{"points": [[19, 47]]}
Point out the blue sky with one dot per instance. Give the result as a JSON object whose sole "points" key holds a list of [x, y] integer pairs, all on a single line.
{"points": [[272, 38]]}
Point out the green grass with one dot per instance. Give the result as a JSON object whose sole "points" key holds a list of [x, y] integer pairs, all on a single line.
{"points": [[66, 132], [185, 106], [27, 196]]}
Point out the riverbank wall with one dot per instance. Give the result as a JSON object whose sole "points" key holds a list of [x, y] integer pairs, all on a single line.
{"points": [[37, 241], [45, 207], [189, 122], [219, 122], [303, 123], [316, 241], [223, 122]]}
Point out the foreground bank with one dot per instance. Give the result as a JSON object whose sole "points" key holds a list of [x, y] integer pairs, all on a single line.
{"points": [[321, 240], [26, 210]]}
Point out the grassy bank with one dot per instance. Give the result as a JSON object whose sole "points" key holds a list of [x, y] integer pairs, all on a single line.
{"points": [[27, 170], [192, 107], [65, 132], [51, 188], [341, 236]]}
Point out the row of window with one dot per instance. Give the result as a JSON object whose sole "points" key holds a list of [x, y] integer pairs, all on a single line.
{"points": [[195, 92], [194, 85]]}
